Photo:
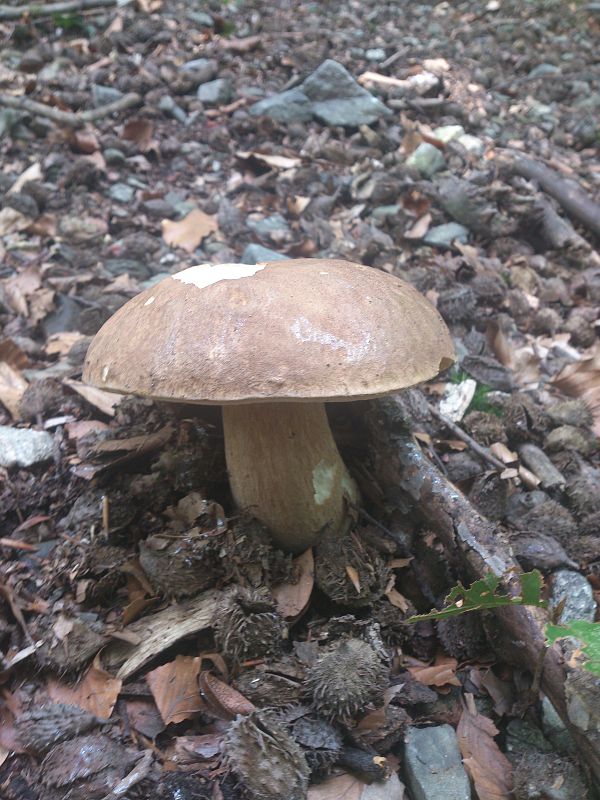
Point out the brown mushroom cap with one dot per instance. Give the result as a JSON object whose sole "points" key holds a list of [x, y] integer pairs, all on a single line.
{"points": [[294, 330]]}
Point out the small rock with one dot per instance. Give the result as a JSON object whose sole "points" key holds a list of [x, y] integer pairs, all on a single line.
{"points": [[22, 447], [203, 69], [268, 226], [215, 93], [555, 730], [337, 99], [544, 69], [290, 106], [256, 254], [55, 70], [119, 266], [471, 144], [121, 193], [103, 95], [446, 133], [433, 765], [574, 589], [114, 157], [167, 105], [158, 208], [201, 18], [444, 235], [81, 230], [426, 159], [375, 54]]}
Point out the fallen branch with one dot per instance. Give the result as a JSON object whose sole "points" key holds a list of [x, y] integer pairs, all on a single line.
{"points": [[68, 118], [46, 10], [476, 547], [567, 192], [475, 446]]}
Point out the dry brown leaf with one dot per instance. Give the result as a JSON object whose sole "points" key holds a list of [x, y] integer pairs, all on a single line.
{"points": [[241, 45], [398, 600], [347, 787], [582, 379], [11, 354], [96, 692], [19, 287], [275, 161], [12, 388], [442, 673], [174, 687], [223, 700], [149, 6], [489, 769], [32, 173], [420, 228], [61, 343], [139, 130], [352, 573], [41, 303], [293, 598], [191, 749], [44, 225], [85, 141], [103, 401], [188, 232], [145, 717]]}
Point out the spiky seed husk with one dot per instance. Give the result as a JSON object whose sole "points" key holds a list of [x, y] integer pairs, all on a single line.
{"points": [[567, 437], [247, 625], [345, 680], [79, 646], [549, 517], [51, 723], [583, 492], [525, 420], [265, 759], [485, 428], [463, 637], [571, 412]]}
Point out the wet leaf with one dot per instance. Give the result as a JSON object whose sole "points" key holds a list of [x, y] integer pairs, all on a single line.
{"points": [[103, 401], [489, 769], [582, 379], [188, 232], [271, 160], [293, 597], [347, 787], [96, 692], [442, 673], [139, 130], [174, 687], [12, 388]]}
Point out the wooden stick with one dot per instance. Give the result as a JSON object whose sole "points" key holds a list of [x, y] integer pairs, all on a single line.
{"points": [[475, 547], [475, 446], [570, 195], [46, 10], [68, 118]]}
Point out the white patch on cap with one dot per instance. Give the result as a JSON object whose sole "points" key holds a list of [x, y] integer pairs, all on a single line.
{"points": [[204, 275], [305, 332], [323, 479], [149, 301]]}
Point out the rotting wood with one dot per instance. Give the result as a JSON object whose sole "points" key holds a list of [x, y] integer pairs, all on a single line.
{"points": [[69, 118], [47, 9], [476, 547], [575, 201]]}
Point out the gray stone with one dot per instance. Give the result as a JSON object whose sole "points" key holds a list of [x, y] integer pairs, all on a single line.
{"points": [[337, 99], [375, 54], [154, 280], [446, 133], [157, 208], [121, 193], [168, 106], [119, 266], [433, 765], [577, 594], [544, 69], [215, 93], [23, 447], [471, 144], [256, 254], [103, 95], [204, 69], [201, 18], [444, 235], [330, 94], [114, 157], [290, 106], [427, 159], [55, 70], [267, 225], [555, 731]]}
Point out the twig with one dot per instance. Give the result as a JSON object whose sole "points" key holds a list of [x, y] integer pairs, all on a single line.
{"points": [[68, 118], [46, 10], [569, 193], [458, 431], [17, 545]]}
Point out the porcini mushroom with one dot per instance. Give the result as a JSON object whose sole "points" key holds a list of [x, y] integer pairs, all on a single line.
{"points": [[272, 343]]}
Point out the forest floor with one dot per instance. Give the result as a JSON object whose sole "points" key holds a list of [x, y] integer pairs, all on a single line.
{"points": [[141, 138]]}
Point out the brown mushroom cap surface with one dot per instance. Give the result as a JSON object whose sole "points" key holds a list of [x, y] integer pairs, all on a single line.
{"points": [[294, 330]]}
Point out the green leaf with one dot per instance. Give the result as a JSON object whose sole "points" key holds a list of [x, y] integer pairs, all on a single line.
{"points": [[483, 594], [588, 634]]}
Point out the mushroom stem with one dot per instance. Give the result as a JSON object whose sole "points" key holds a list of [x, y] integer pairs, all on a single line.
{"points": [[285, 468]]}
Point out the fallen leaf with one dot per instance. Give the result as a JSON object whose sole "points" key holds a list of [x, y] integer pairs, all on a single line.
{"points": [[347, 787], [61, 343], [223, 700], [419, 228], [145, 717], [12, 388], [352, 573], [103, 401], [44, 225], [84, 141], [174, 687], [293, 598], [96, 692], [19, 287], [489, 769], [275, 161], [190, 749], [139, 130], [11, 354], [32, 173], [188, 232], [582, 379], [442, 673], [398, 600]]}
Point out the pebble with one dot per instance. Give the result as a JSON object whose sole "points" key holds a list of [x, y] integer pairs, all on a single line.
{"points": [[375, 54], [201, 18], [256, 254], [215, 93], [577, 594], [158, 208], [114, 157], [121, 193], [433, 765], [168, 106], [426, 159], [555, 730], [23, 447], [444, 235], [446, 133], [103, 95], [471, 144], [268, 225]]}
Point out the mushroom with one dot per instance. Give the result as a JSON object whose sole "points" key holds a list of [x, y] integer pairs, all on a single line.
{"points": [[272, 343]]}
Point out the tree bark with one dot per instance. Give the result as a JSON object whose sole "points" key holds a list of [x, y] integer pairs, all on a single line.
{"points": [[476, 547]]}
